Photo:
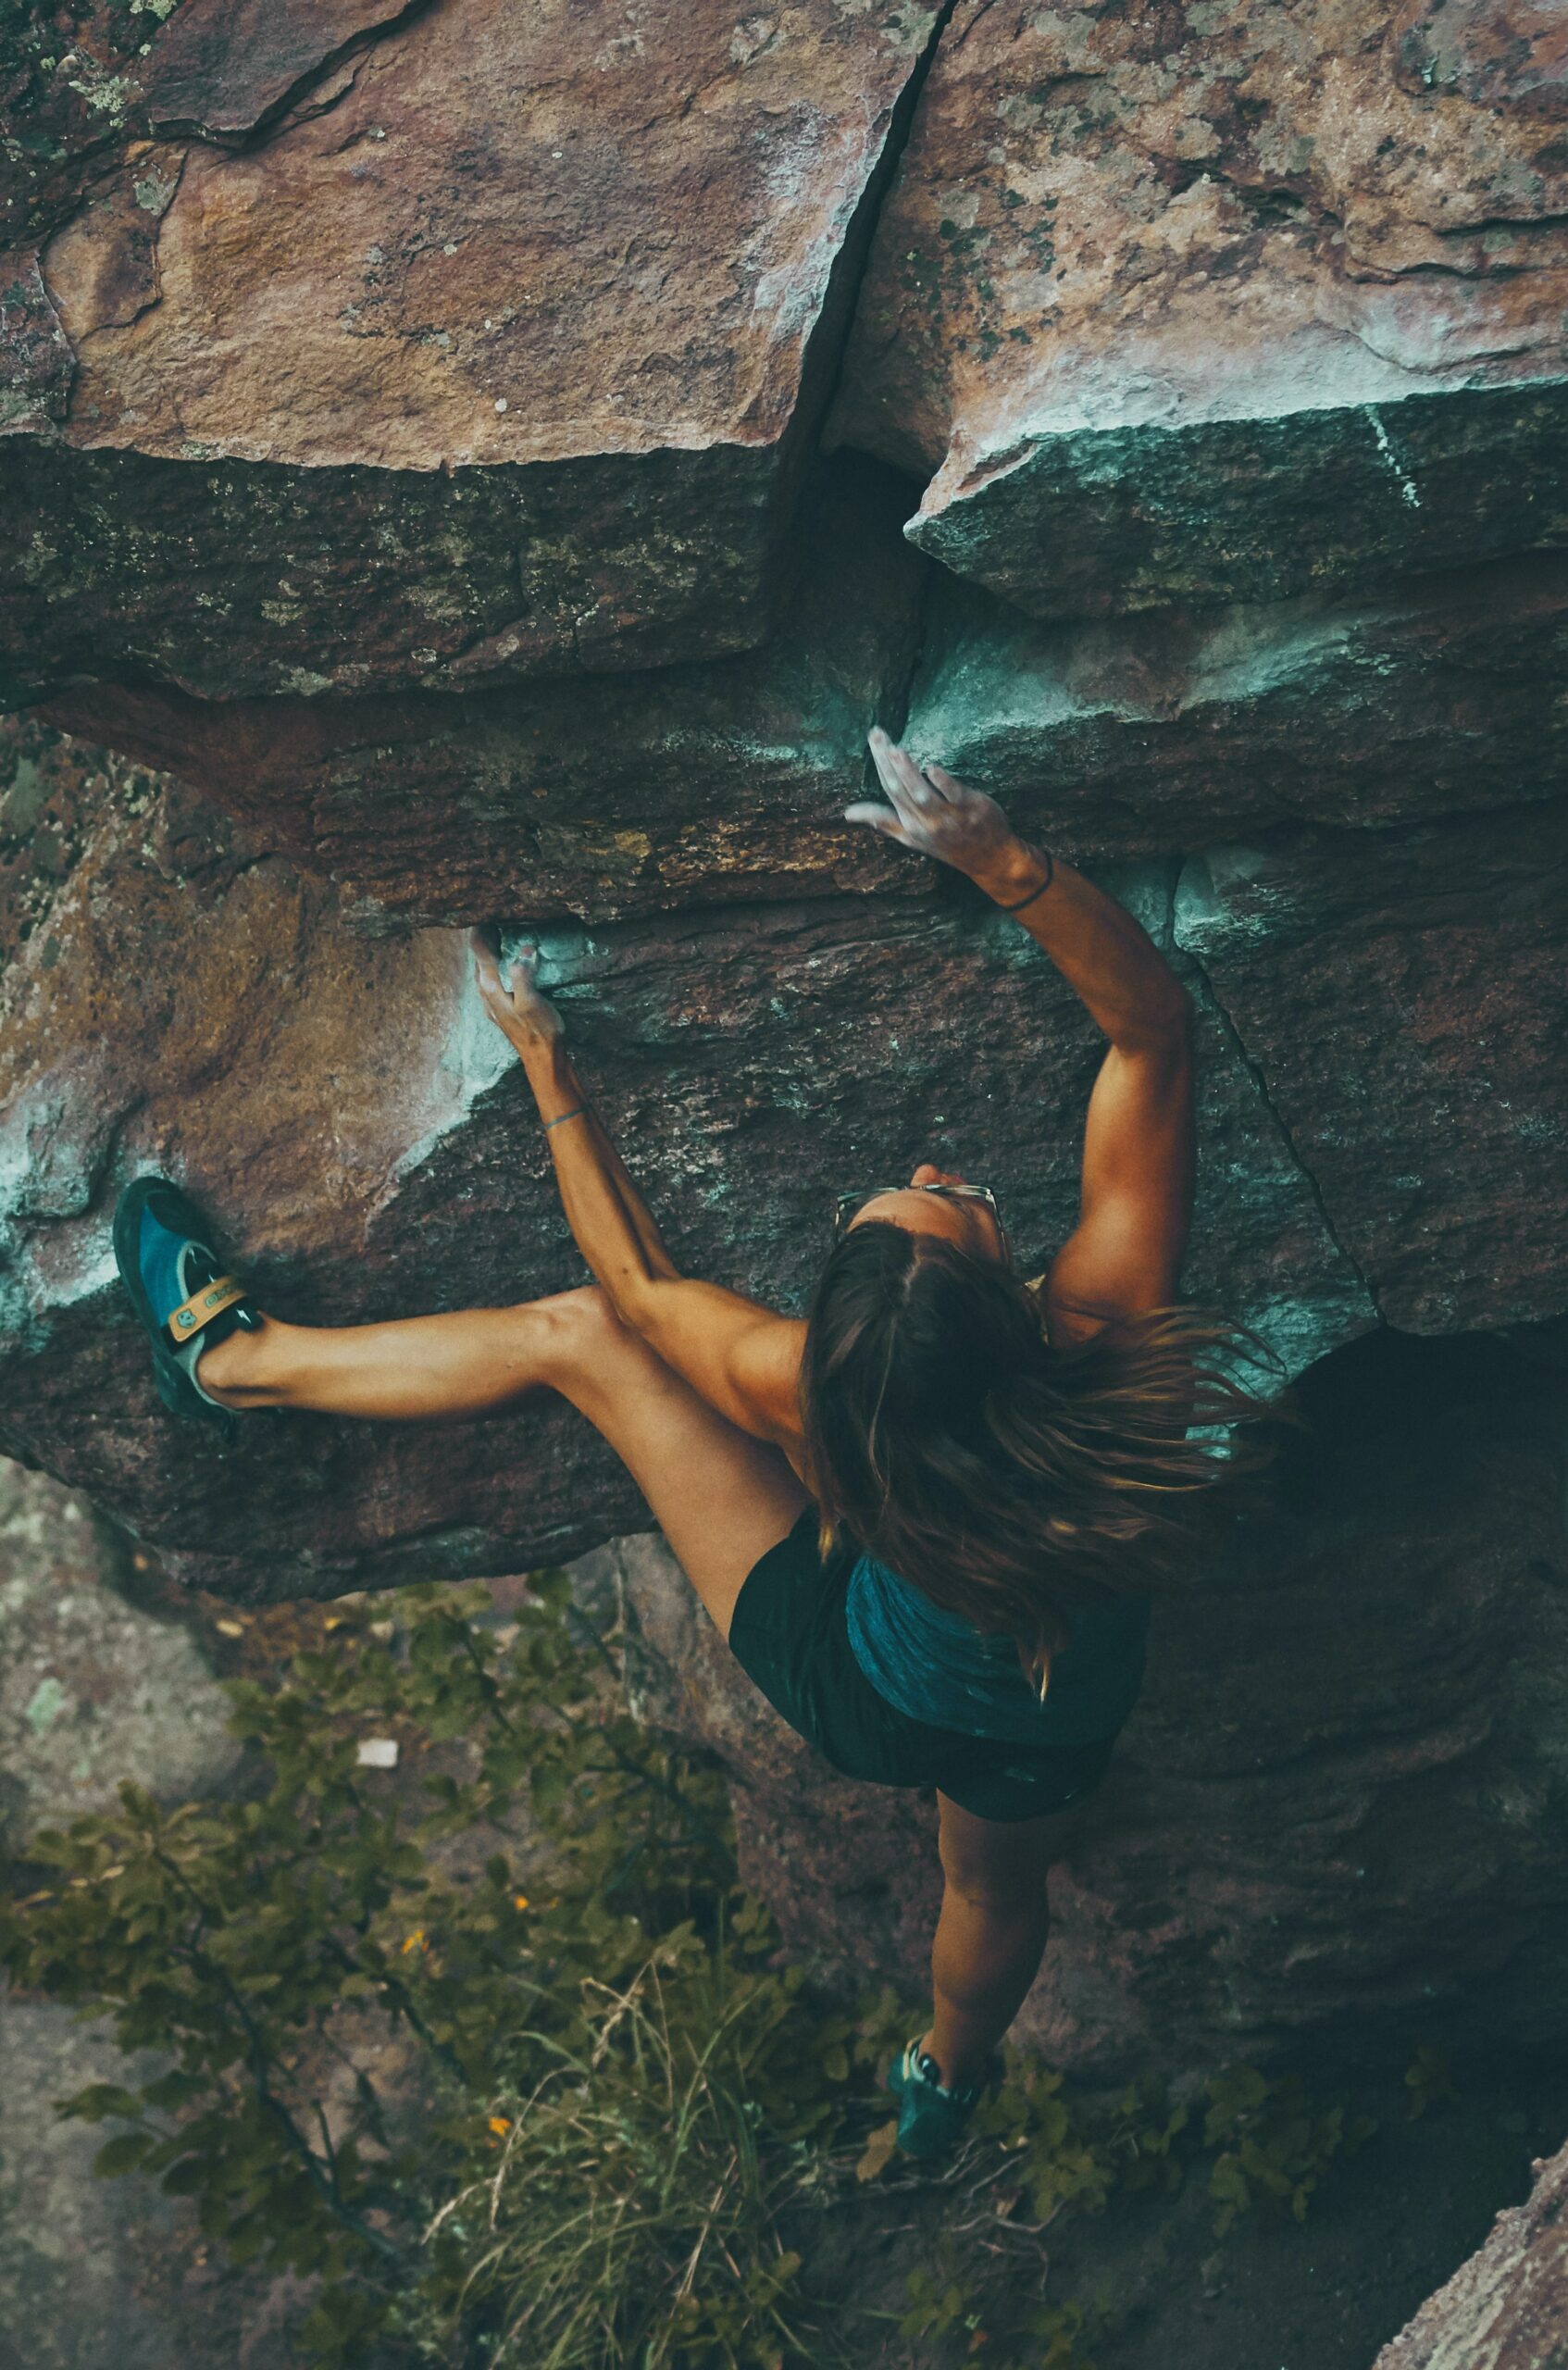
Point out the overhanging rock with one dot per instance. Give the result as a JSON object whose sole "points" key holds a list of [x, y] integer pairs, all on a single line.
{"points": [[1132, 736], [498, 350], [1399, 995], [181, 1000], [1221, 304], [707, 782]]}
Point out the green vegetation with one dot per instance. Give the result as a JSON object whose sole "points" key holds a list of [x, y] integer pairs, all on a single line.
{"points": [[497, 2052]]}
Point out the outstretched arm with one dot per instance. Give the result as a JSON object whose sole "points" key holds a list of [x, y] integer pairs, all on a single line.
{"points": [[742, 1357], [1125, 1253]]}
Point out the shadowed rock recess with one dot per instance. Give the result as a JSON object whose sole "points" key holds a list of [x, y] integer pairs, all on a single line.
{"points": [[414, 509]]}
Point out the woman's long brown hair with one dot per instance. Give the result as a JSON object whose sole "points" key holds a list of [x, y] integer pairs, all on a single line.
{"points": [[1009, 1479]]}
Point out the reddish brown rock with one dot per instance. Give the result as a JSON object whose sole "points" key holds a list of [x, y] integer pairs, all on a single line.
{"points": [[1507, 2308], [178, 999], [498, 353], [1500, 53], [1330, 1816], [223, 69], [1211, 304], [682, 785]]}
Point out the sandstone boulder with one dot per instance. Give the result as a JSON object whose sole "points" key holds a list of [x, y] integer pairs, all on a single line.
{"points": [[436, 344], [1208, 304], [677, 785], [180, 999]]}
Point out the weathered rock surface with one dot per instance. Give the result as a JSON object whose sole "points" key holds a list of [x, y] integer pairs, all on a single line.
{"points": [[1400, 995], [1332, 1814], [723, 781], [182, 1000], [1507, 2308], [1135, 736], [1201, 304], [100, 2275], [498, 350], [704, 782], [91, 1689]]}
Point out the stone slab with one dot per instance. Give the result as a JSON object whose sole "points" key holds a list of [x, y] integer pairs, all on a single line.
{"points": [[1222, 303], [1129, 736], [696, 784], [498, 353]]}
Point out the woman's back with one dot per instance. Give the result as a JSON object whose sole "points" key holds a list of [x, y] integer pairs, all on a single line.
{"points": [[935, 1666]]}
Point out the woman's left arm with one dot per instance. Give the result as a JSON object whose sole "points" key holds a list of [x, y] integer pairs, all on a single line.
{"points": [[742, 1357]]}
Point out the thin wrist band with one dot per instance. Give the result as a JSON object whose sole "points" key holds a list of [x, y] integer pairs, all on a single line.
{"points": [[580, 1113], [1050, 877]]}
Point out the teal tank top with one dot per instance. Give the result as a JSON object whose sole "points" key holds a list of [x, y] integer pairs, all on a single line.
{"points": [[935, 1666]]}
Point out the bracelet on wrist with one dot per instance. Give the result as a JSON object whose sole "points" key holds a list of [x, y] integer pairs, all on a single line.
{"points": [[580, 1113], [1050, 877]]}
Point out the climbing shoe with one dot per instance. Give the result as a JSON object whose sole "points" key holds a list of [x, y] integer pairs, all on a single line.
{"points": [[932, 2120], [181, 1294]]}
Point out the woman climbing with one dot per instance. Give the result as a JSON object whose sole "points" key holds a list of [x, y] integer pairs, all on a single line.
{"points": [[927, 1517]]}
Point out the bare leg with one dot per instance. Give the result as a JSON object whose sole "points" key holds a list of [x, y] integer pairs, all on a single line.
{"points": [[720, 1497], [983, 1960], [417, 1369], [991, 1933]]}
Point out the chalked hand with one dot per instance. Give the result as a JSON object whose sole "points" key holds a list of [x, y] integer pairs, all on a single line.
{"points": [[524, 1017], [931, 813]]}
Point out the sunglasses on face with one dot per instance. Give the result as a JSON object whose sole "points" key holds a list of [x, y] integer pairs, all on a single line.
{"points": [[846, 1206]]}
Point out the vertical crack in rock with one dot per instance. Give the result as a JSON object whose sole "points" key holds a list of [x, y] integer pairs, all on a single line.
{"points": [[1254, 1071], [842, 305]]}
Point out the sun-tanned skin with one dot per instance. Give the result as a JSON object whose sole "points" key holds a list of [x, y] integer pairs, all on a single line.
{"points": [[696, 1387]]}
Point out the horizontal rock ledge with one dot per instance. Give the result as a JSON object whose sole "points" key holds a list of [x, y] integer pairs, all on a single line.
{"points": [[697, 783], [726, 781], [499, 353], [1196, 305]]}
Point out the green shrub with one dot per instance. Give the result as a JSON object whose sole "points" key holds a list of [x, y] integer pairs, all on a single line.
{"points": [[613, 2093], [608, 2100]]}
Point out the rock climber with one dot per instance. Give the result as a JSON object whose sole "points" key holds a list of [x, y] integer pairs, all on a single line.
{"points": [[929, 1516]]}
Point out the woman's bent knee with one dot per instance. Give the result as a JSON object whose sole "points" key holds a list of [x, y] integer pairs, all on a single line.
{"points": [[580, 1336]]}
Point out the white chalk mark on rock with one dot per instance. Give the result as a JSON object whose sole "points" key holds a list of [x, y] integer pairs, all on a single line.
{"points": [[1384, 445]]}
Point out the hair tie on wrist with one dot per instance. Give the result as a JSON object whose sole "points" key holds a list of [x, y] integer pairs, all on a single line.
{"points": [[1050, 877], [581, 1111]]}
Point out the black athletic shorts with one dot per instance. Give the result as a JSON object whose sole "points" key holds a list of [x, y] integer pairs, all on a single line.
{"points": [[788, 1634]]}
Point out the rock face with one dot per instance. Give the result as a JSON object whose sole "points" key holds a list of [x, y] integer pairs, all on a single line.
{"points": [[1332, 1812], [1201, 304], [366, 1141], [438, 344], [91, 1689], [411, 512], [656, 789], [1507, 2308]]}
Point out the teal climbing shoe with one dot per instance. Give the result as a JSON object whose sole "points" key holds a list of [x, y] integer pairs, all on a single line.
{"points": [[179, 1291], [932, 2120]]}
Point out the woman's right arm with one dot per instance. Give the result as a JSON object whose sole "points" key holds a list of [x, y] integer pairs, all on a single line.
{"points": [[1125, 1255]]}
